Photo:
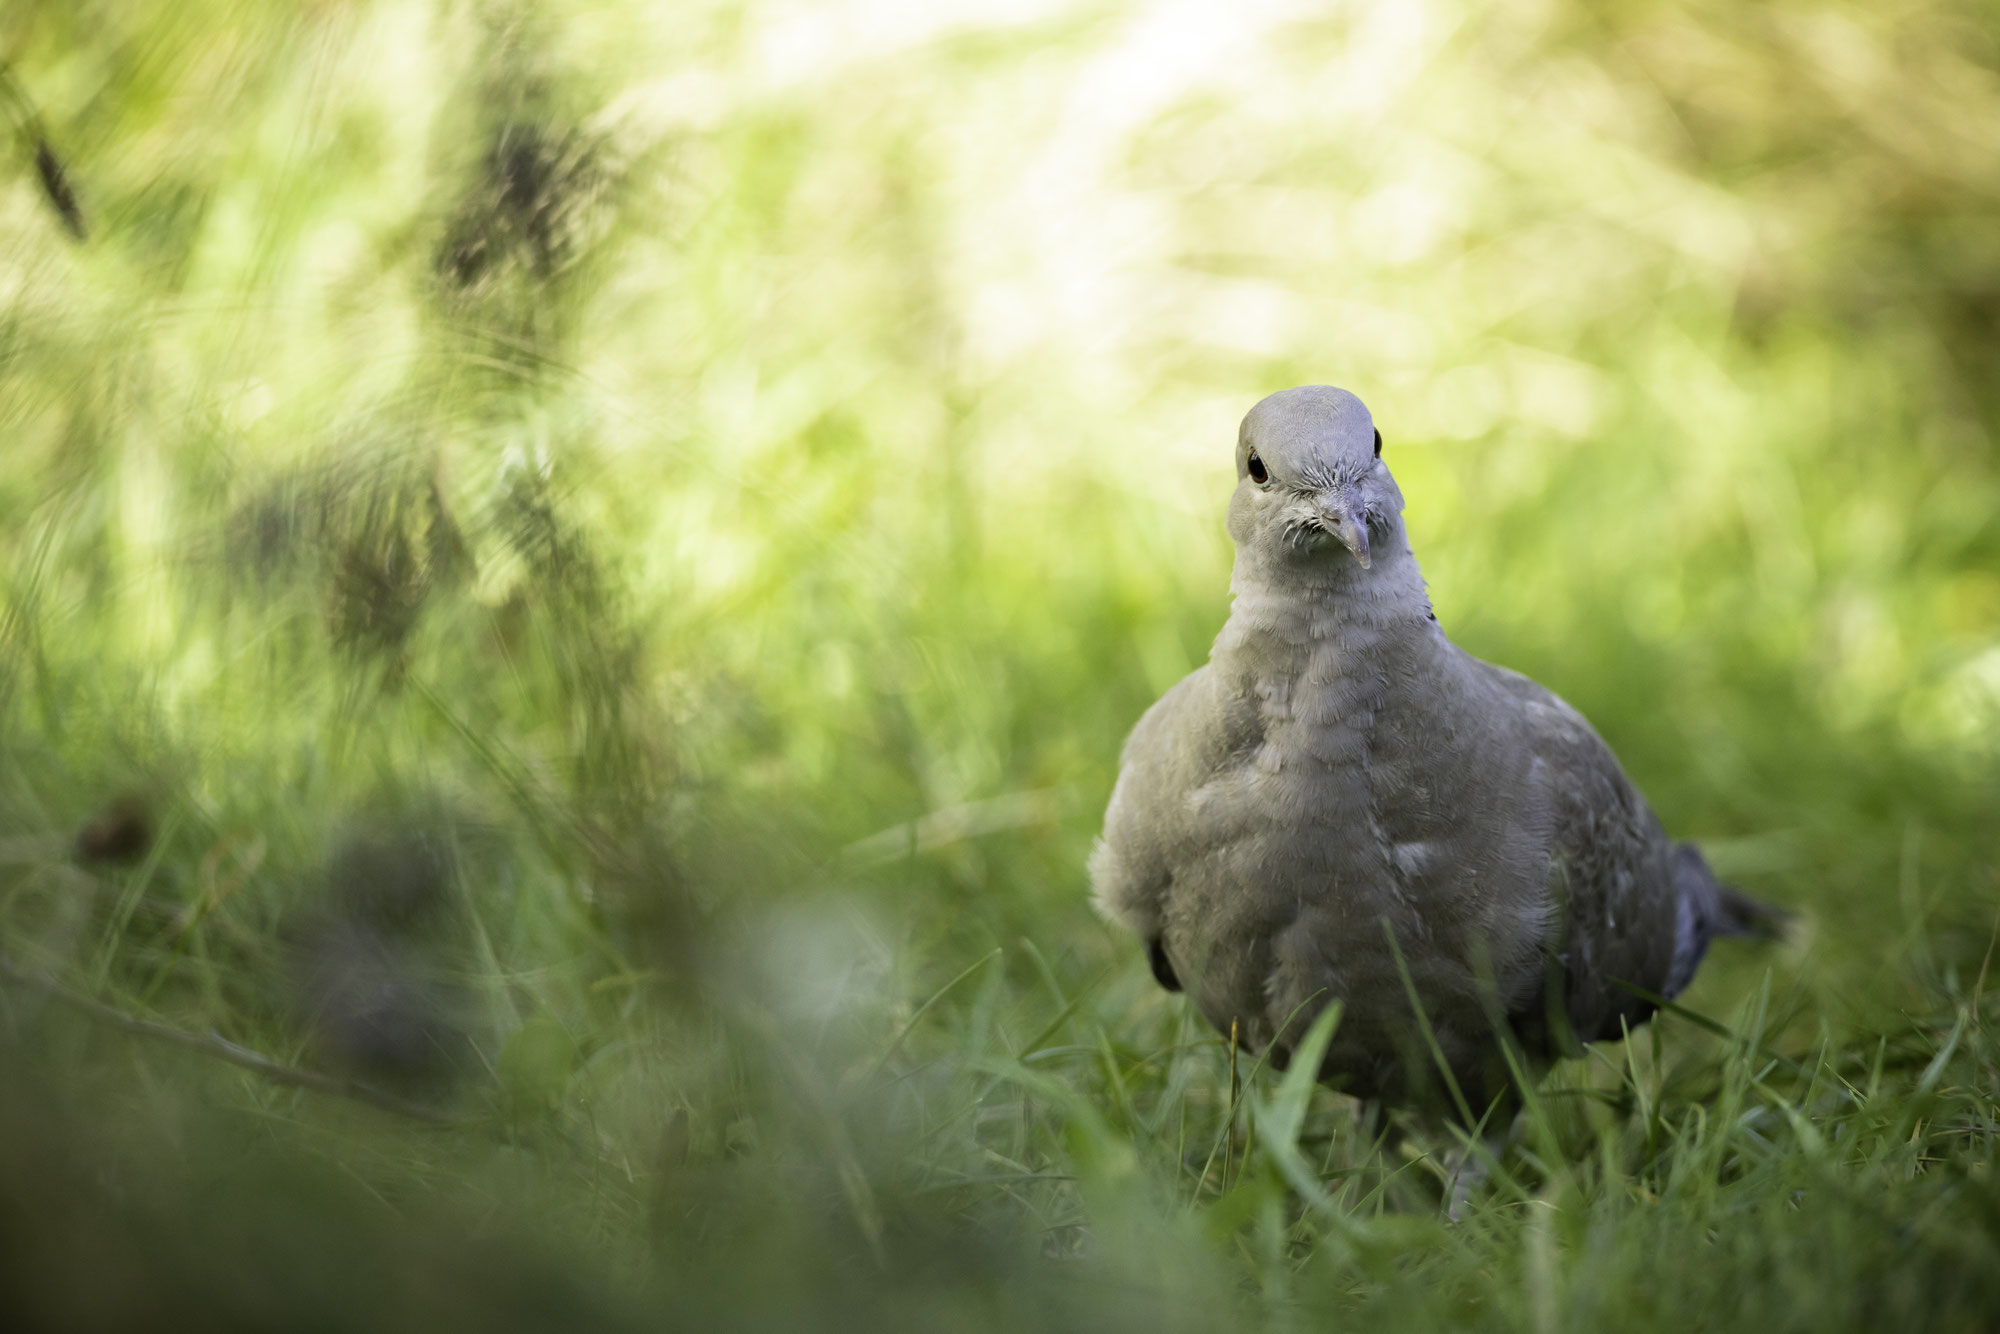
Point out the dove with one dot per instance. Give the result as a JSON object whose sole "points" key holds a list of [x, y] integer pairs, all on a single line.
{"points": [[1343, 806]]}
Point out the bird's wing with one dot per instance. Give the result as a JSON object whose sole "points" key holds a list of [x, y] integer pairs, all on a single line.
{"points": [[1171, 751], [1616, 908]]}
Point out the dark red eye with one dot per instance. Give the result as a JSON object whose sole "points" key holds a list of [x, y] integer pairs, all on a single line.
{"points": [[1378, 442], [1257, 472]]}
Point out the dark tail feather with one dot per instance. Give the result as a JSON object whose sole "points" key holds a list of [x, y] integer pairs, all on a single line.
{"points": [[1724, 910], [1709, 908], [1741, 915]]}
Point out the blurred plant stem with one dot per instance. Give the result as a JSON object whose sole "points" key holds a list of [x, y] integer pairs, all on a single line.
{"points": [[220, 1048]]}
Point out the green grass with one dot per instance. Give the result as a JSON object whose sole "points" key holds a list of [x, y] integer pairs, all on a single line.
{"points": [[611, 550]]}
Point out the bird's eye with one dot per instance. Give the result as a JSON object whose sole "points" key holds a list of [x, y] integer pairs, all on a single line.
{"points": [[1378, 442], [1258, 473]]}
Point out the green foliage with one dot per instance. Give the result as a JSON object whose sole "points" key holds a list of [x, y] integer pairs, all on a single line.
{"points": [[584, 569]]}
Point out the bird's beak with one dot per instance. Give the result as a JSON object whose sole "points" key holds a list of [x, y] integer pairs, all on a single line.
{"points": [[1348, 522]]}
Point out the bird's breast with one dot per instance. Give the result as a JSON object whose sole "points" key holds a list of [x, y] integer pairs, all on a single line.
{"points": [[1295, 806], [1334, 792]]}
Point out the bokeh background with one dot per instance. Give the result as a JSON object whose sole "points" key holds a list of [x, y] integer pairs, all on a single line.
{"points": [[572, 576]]}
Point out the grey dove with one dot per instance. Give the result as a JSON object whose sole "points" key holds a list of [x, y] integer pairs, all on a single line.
{"points": [[1343, 805]]}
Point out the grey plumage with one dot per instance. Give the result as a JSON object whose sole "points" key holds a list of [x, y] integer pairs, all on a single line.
{"points": [[1344, 805]]}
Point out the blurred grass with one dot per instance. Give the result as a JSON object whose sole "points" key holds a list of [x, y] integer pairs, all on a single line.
{"points": [[604, 554]]}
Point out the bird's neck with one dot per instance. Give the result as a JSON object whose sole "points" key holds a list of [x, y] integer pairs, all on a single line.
{"points": [[1320, 615]]}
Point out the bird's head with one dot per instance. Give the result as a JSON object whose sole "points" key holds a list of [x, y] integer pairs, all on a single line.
{"points": [[1310, 479]]}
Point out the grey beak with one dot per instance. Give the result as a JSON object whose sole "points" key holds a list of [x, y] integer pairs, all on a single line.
{"points": [[1350, 525]]}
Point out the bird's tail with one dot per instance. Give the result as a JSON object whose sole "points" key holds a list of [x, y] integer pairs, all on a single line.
{"points": [[1741, 915], [1709, 908]]}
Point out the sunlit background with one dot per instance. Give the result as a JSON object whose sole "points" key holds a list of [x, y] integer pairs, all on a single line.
{"points": [[579, 570]]}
